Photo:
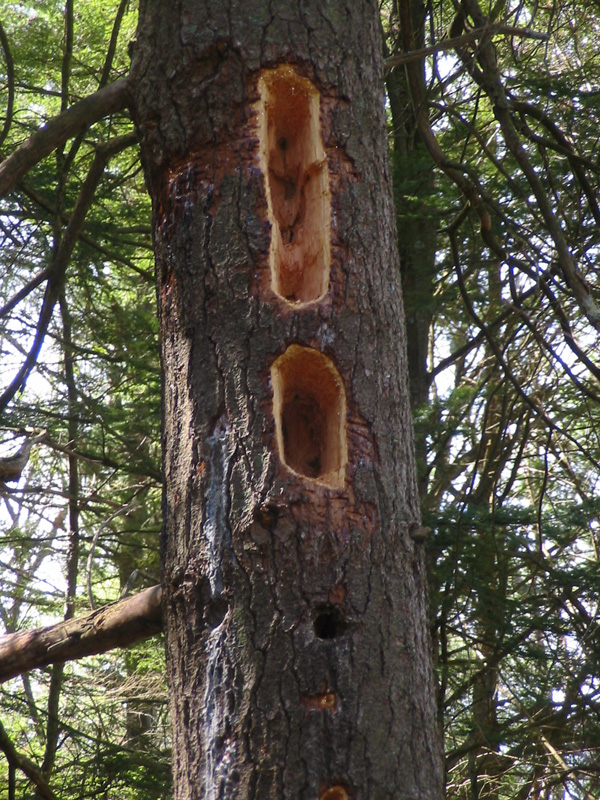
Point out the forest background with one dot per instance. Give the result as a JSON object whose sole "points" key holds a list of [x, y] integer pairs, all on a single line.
{"points": [[498, 221]]}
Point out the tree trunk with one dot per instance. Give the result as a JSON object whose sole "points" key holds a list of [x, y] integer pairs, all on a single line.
{"points": [[294, 590], [417, 230]]}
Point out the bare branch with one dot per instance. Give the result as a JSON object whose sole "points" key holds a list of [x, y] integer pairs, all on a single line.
{"points": [[25, 291], [119, 624], [112, 45], [459, 41], [105, 101], [10, 81]]}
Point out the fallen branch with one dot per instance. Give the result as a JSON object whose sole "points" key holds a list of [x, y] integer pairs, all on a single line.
{"points": [[119, 624]]}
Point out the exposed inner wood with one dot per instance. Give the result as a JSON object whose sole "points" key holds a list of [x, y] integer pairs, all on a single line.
{"points": [[293, 161], [335, 793], [309, 404]]}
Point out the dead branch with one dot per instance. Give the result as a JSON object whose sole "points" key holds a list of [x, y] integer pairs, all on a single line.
{"points": [[12, 467], [101, 104], [119, 624]]}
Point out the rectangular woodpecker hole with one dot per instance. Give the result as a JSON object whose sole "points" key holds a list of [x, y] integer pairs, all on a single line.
{"points": [[309, 405], [294, 164]]}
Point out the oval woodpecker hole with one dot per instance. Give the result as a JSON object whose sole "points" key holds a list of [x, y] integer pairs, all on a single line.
{"points": [[309, 406], [335, 793]]}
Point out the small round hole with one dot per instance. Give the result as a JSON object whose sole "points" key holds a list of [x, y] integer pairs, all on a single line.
{"points": [[328, 623]]}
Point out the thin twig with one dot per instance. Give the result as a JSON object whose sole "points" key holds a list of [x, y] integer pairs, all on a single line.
{"points": [[458, 41], [26, 766]]}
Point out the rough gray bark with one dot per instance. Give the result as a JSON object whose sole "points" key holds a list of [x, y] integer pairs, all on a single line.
{"points": [[295, 609]]}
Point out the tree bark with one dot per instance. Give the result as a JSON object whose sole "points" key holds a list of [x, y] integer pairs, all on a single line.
{"points": [[294, 585]]}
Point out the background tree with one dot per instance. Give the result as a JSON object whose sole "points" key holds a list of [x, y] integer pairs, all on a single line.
{"points": [[85, 515], [511, 425]]}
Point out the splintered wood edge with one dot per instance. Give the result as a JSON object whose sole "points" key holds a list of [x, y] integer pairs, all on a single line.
{"points": [[289, 112], [308, 373]]}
